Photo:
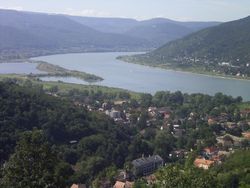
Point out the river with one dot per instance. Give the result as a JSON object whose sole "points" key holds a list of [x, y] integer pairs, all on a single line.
{"points": [[142, 78]]}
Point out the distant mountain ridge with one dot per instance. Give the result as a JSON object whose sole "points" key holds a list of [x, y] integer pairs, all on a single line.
{"points": [[28, 34], [157, 31]]}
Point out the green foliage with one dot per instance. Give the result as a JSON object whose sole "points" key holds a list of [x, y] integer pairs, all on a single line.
{"points": [[34, 164], [176, 176], [205, 50], [234, 172], [140, 184], [98, 140], [100, 146], [164, 144]]}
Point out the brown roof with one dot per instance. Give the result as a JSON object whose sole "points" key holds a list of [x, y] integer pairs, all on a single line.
{"points": [[129, 184], [198, 162], [119, 184], [210, 149], [246, 135], [78, 186]]}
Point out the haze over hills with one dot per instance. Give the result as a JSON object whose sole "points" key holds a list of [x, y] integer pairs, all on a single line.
{"points": [[30, 34], [157, 31], [27, 34], [224, 49], [106, 25]]}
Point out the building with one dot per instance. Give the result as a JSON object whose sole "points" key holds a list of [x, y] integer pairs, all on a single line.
{"points": [[203, 163], [120, 184], [78, 186], [210, 151], [146, 166], [113, 114], [165, 112], [246, 135]]}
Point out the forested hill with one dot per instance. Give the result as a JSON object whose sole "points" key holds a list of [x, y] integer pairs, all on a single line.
{"points": [[228, 42], [156, 31], [98, 139], [31, 34], [28, 34]]}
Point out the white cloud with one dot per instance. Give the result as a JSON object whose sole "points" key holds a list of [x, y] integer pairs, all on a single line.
{"points": [[12, 8], [87, 12]]}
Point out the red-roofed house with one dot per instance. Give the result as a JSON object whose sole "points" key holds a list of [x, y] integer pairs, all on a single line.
{"points": [[203, 163]]}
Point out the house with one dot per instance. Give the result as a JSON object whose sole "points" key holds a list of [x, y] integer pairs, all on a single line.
{"points": [[230, 141], [245, 113], [120, 184], [146, 166], [203, 163], [225, 141], [120, 102], [180, 154], [165, 112], [210, 150], [122, 175], [106, 106], [212, 121], [152, 111], [78, 186], [151, 179], [246, 135], [231, 125], [113, 114]]}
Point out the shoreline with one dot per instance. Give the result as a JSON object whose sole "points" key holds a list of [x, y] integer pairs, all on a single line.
{"points": [[207, 74], [120, 58], [51, 70]]}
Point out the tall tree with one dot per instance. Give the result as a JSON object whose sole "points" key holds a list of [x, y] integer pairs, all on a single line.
{"points": [[34, 164]]}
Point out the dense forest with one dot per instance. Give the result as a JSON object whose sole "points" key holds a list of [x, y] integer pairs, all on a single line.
{"points": [[99, 141]]}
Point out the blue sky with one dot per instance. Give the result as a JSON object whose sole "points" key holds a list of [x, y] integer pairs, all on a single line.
{"points": [[185, 10]]}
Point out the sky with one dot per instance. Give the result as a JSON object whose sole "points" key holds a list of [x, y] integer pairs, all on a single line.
{"points": [[182, 10]]}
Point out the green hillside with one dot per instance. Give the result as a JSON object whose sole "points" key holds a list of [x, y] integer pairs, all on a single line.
{"points": [[223, 49]]}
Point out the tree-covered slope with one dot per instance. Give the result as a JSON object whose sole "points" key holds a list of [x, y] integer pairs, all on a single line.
{"points": [[222, 50], [159, 33], [37, 34], [99, 143], [226, 42]]}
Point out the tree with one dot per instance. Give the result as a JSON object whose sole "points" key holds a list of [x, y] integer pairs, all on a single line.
{"points": [[176, 176], [164, 144], [34, 164], [146, 100]]}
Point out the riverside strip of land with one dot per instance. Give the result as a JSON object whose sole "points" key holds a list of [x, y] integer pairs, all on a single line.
{"points": [[189, 69], [57, 71], [50, 70]]}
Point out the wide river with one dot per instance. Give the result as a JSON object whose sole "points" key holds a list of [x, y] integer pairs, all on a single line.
{"points": [[142, 78]]}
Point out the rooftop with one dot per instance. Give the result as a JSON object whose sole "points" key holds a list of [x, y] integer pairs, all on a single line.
{"points": [[203, 162], [144, 161]]}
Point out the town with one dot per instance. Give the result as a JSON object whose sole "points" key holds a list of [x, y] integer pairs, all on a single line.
{"points": [[172, 127]]}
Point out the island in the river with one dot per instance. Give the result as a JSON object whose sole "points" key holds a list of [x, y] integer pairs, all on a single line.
{"points": [[57, 71]]}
